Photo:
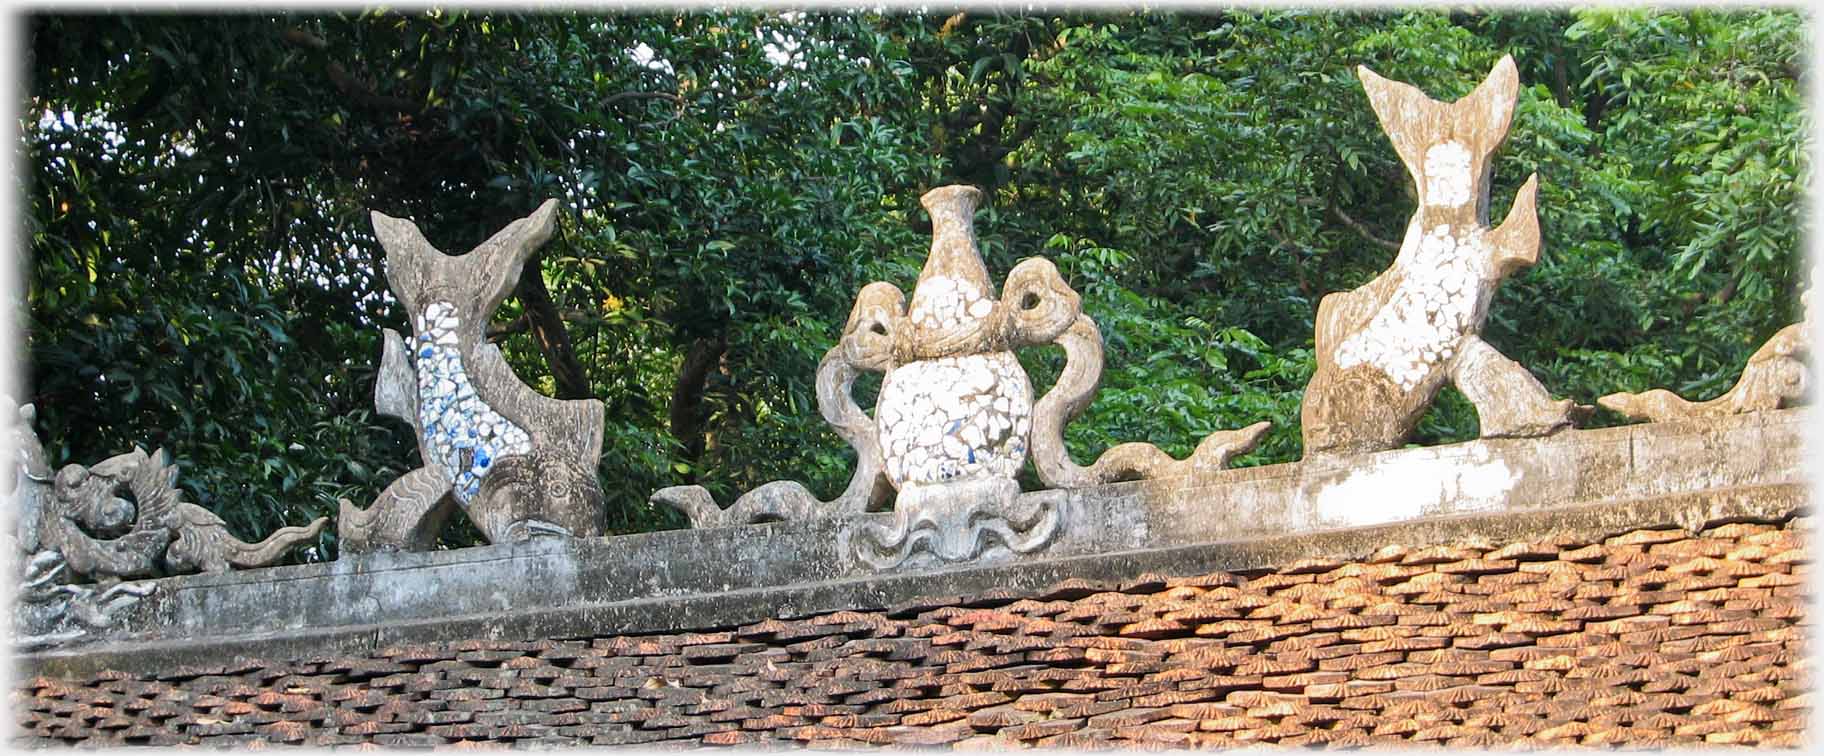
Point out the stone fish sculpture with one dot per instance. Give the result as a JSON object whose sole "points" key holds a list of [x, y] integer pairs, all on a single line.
{"points": [[517, 462], [1386, 348], [956, 417], [76, 536]]}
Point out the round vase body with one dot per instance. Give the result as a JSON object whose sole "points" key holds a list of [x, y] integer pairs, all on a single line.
{"points": [[954, 418]]}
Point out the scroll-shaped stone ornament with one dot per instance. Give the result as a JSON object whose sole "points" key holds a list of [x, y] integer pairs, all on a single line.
{"points": [[1386, 348], [955, 420], [76, 535], [518, 463], [1774, 378]]}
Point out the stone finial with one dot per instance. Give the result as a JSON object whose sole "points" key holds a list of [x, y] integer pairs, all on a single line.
{"points": [[1386, 348], [518, 463], [956, 418], [1775, 377]]}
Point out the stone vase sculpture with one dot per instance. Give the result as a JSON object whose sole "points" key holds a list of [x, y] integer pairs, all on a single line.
{"points": [[1386, 348], [956, 418], [518, 463], [1774, 378]]}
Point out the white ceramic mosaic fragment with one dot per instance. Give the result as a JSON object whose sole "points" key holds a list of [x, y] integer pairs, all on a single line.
{"points": [[942, 300], [1447, 179], [462, 435], [1439, 300], [955, 418]]}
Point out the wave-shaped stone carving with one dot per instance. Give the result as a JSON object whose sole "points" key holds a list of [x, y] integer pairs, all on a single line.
{"points": [[969, 520]]}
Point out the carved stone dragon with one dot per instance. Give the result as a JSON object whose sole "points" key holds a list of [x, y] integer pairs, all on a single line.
{"points": [[75, 528], [1774, 378]]}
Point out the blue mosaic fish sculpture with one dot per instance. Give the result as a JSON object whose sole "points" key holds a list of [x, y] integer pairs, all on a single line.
{"points": [[518, 463]]}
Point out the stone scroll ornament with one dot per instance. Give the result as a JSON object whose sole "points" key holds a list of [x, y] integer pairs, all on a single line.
{"points": [[956, 420], [1774, 378], [518, 463], [77, 535], [1386, 348]]}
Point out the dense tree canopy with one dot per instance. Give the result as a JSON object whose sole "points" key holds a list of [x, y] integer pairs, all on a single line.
{"points": [[203, 276]]}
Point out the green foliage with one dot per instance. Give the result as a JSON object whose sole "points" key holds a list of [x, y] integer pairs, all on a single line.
{"points": [[203, 275]]}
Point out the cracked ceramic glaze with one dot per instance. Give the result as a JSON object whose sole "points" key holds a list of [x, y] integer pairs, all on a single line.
{"points": [[461, 432], [942, 300], [955, 418], [1441, 298]]}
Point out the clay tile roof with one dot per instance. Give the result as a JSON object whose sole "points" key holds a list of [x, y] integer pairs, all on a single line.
{"points": [[1154, 628], [1310, 565], [1071, 589], [1276, 664], [1202, 613], [1478, 566], [996, 717], [1464, 646], [1351, 601], [1394, 725], [1041, 728], [1440, 732], [1182, 593], [1770, 536], [1147, 583], [1388, 553], [1230, 723], [1350, 571], [1212, 580], [1647, 537]]}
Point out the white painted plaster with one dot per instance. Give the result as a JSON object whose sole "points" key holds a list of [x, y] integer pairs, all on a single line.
{"points": [[1414, 483]]}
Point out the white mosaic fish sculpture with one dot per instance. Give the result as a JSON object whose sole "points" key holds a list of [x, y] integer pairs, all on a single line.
{"points": [[1386, 348]]}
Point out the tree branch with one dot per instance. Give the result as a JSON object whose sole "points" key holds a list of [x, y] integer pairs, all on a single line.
{"points": [[358, 93], [1298, 267], [687, 416], [618, 96], [523, 323], [1357, 227], [548, 331]]}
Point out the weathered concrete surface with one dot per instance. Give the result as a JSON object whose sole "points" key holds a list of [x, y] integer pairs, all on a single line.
{"points": [[1581, 482], [1488, 475]]}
